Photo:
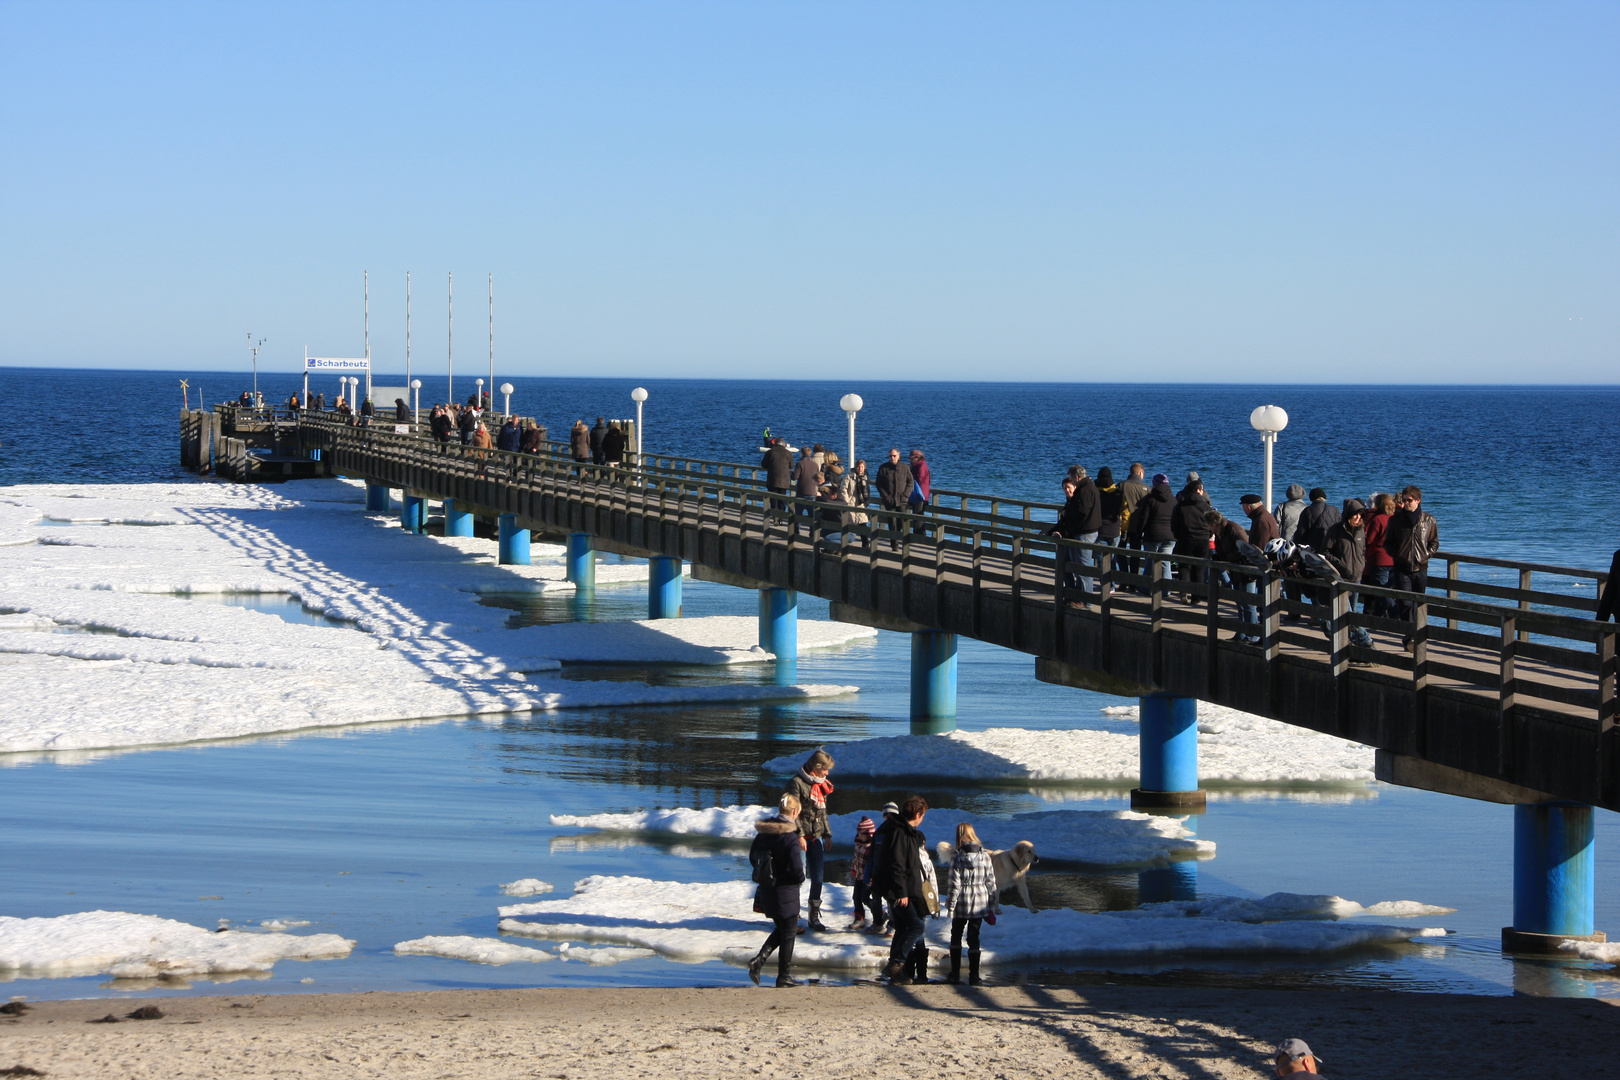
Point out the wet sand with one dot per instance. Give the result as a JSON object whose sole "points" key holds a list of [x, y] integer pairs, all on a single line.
{"points": [[833, 1032]]}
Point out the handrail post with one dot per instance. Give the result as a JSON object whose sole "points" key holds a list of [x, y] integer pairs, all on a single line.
{"points": [[1271, 590], [1338, 630], [1524, 602], [1420, 644], [1507, 691], [1451, 594]]}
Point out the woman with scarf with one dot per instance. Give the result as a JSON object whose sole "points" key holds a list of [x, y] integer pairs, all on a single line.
{"points": [[811, 787]]}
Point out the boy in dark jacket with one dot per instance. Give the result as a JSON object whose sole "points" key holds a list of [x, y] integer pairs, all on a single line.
{"points": [[902, 877]]}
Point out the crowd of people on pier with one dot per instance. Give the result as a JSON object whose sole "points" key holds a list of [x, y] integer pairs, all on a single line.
{"points": [[891, 874]]}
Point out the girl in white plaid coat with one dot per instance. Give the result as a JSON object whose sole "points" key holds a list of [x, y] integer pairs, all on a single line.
{"points": [[971, 899]]}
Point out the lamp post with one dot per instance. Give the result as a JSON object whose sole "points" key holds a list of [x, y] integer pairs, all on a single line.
{"points": [[480, 383], [639, 396], [506, 391], [1268, 420], [851, 404], [254, 348], [416, 401]]}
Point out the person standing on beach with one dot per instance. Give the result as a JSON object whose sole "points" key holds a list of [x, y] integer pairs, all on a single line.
{"points": [[778, 860], [971, 898], [895, 484], [811, 787], [865, 832], [598, 436], [905, 879]]}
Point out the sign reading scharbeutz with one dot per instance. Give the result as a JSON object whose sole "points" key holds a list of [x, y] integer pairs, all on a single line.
{"points": [[336, 363]]}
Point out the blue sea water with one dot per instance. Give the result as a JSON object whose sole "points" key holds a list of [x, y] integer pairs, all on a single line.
{"points": [[389, 833]]}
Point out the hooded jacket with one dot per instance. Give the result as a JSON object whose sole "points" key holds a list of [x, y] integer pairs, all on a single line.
{"points": [[1082, 513], [777, 839], [900, 864], [1110, 504], [613, 446], [1187, 522], [1345, 547], [579, 443], [1150, 522], [1288, 513], [1314, 522]]}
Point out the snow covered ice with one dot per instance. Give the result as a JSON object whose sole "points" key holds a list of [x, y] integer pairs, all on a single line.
{"points": [[128, 946], [478, 950], [697, 922], [142, 667], [1081, 837], [526, 887], [1233, 748]]}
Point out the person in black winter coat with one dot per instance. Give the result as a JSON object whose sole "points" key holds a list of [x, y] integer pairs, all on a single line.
{"points": [[613, 445], [1315, 521], [903, 869], [440, 424], [598, 436], [1345, 549], [510, 437], [402, 411], [1111, 506], [777, 842], [895, 485], [1191, 531], [465, 424]]}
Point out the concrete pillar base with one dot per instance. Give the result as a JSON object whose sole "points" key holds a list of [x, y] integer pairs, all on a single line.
{"points": [[779, 624], [413, 514], [933, 680], [457, 522], [514, 542], [581, 561], [1177, 800], [663, 587], [1519, 941]]}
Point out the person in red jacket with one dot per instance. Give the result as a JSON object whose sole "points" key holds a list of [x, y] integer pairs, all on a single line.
{"points": [[1380, 563]]}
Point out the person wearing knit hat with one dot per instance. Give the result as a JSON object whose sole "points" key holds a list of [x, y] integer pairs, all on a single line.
{"points": [[865, 830]]}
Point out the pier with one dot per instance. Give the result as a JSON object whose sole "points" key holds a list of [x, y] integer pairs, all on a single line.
{"points": [[1507, 693]]}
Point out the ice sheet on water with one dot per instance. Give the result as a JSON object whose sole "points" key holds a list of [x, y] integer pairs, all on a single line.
{"points": [[605, 954], [713, 639], [478, 950], [1238, 748], [526, 887], [693, 923], [1082, 837], [1608, 951], [1279, 907], [129, 946]]}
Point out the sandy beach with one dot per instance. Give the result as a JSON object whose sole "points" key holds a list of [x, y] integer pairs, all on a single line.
{"points": [[862, 1031]]}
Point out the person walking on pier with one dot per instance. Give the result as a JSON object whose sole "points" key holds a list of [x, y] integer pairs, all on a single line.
{"points": [[579, 442], [598, 436], [811, 788], [1411, 540], [613, 445], [806, 485], [971, 898], [1315, 521], [905, 876], [895, 484], [1287, 513], [778, 466], [922, 490], [533, 436], [778, 860]]}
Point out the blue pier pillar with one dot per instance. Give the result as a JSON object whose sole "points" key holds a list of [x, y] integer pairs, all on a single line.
{"points": [[413, 513], [1169, 761], [933, 682], [457, 522], [514, 542], [663, 587], [779, 632], [1175, 881], [581, 561], [1553, 877], [377, 498]]}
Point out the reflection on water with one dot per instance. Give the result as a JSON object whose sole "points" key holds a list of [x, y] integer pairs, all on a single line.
{"points": [[284, 606]]}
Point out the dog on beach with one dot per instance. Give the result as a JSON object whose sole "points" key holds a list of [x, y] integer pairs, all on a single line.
{"points": [[1011, 866]]}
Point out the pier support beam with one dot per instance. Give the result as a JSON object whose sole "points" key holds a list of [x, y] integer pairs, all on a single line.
{"points": [[663, 587], [933, 682], [779, 631], [1157, 884], [378, 500], [457, 522], [1553, 877], [1169, 762], [581, 561], [514, 542], [413, 513]]}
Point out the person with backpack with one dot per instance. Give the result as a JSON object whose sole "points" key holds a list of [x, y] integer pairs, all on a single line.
{"points": [[971, 899], [777, 857], [1411, 539], [865, 830]]}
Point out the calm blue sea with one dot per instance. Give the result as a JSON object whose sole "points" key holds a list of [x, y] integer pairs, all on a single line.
{"points": [[389, 833]]}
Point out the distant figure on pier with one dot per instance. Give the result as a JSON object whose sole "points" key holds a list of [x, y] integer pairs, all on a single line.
{"points": [[895, 485], [1288, 513], [806, 485], [367, 409], [819, 452], [320, 401], [1111, 502], [342, 406], [245, 400], [857, 488], [1293, 1056], [1151, 525], [922, 489], [402, 411], [1412, 539], [778, 466], [511, 437], [479, 441], [1262, 526], [1081, 517], [1345, 549], [1315, 521], [466, 422], [1606, 601], [1191, 531], [613, 445], [579, 442], [292, 404], [532, 438], [1232, 546], [440, 424], [598, 436], [1380, 563], [1132, 492]]}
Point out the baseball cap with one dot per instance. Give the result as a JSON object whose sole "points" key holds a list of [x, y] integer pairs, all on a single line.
{"points": [[1295, 1049]]}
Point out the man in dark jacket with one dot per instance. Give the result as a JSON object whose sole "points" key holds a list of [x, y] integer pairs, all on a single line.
{"points": [[1412, 539], [777, 844], [598, 436], [1230, 538], [613, 445], [1262, 526], [806, 485], [440, 424], [510, 437], [1345, 549], [1083, 515], [1150, 528], [1315, 521], [894, 484], [402, 411], [465, 423], [1191, 531], [778, 466], [899, 877]]}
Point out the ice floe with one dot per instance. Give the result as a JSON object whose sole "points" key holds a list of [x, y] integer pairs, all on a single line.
{"points": [[606, 954], [713, 639], [478, 950], [1608, 952], [693, 923], [160, 670], [1233, 748], [128, 946], [1082, 837], [526, 887], [1279, 907]]}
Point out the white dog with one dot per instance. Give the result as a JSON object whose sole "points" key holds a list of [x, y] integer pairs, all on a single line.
{"points": [[1011, 866]]}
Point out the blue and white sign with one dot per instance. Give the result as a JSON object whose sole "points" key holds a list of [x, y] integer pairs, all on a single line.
{"points": [[336, 363]]}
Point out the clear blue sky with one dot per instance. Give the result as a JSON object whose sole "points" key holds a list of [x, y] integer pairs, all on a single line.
{"points": [[1293, 192]]}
